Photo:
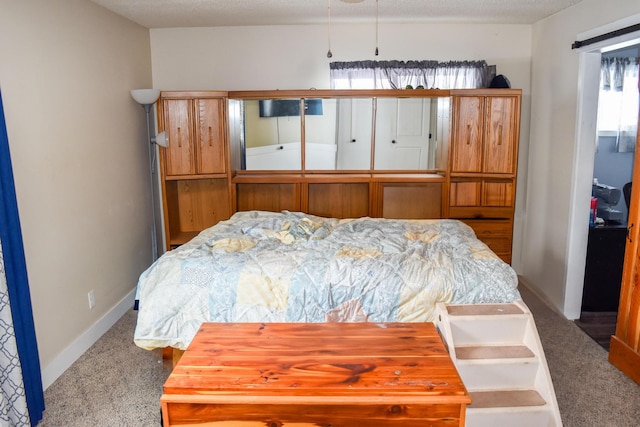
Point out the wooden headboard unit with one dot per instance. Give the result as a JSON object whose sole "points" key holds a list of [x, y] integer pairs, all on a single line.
{"points": [[379, 153]]}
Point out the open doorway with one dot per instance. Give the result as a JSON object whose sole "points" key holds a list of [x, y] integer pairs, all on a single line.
{"points": [[617, 118]]}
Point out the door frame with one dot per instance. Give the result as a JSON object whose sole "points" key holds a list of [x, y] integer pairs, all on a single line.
{"points": [[583, 161], [624, 351]]}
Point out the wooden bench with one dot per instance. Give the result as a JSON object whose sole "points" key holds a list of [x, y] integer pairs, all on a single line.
{"points": [[320, 374]]}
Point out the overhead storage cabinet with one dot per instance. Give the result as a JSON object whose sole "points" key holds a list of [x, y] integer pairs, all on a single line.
{"points": [[194, 167], [484, 156]]}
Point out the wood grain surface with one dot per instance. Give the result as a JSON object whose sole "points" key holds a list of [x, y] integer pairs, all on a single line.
{"points": [[324, 374]]}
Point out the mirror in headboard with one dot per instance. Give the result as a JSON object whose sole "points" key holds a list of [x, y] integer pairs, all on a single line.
{"points": [[272, 134], [340, 139], [411, 132], [408, 133]]}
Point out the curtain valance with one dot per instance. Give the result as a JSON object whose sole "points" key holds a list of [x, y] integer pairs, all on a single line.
{"points": [[400, 74]]}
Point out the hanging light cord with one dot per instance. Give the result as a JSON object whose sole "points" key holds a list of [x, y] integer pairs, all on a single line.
{"points": [[377, 27], [329, 54]]}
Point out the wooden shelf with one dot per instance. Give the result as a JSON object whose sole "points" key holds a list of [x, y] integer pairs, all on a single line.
{"points": [[182, 237], [333, 93], [408, 177], [195, 176]]}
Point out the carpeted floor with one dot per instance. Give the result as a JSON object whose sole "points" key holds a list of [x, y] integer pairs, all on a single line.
{"points": [[118, 384]]}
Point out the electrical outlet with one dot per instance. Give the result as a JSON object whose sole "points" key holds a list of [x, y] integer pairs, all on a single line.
{"points": [[92, 299]]}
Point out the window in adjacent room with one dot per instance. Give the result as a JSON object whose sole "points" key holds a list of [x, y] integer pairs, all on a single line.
{"points": [[618, 99]]}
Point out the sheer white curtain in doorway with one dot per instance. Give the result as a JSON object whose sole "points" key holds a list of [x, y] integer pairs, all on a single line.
{"points": [[618, 104]]}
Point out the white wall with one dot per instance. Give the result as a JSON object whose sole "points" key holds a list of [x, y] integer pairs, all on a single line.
{"points": [[294, 57], [555, 153], [80, 163]]}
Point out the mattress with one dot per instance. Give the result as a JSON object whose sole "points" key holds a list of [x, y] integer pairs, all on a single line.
{"points": [[294, 267]]}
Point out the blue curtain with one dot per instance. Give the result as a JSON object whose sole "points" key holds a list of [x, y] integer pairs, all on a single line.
{"points": [[17, 282]]}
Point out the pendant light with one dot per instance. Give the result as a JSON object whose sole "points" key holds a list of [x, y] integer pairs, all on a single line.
{"points": [[329, 54], [377, 27]]}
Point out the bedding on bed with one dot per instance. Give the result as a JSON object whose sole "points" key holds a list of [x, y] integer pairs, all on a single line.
{"points": [[294, 267]]}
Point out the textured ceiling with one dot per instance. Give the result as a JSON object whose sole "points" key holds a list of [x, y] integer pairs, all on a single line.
{"points": [[212, 13]]}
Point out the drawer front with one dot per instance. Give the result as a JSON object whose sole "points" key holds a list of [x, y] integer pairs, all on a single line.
{"points": [[498, 235], [490, 228], [499, 245], [481, 193], [311, 415], [480, 212]]}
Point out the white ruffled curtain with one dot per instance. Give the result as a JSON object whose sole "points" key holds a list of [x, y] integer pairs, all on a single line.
{"points": [[13, 401], [619, 100], [400, 74]]}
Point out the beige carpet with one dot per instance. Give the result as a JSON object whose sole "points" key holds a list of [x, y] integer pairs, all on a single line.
{"points": [[590, 391], [118, 384]]}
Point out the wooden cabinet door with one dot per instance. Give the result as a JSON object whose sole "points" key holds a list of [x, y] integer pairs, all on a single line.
{"points": [[210, 136], [500, 134], [498, 193], [481, 198], [624, 352], [339, 200], [411, 200], [468, 133], [180, 154], [465, 193]]}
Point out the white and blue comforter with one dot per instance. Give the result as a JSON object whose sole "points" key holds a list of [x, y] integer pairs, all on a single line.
{"points": [[294, 267]]}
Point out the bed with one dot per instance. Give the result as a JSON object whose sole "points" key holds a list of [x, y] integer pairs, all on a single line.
{"points": [[295, 267]]}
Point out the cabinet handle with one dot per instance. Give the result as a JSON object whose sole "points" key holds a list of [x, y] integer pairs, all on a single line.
{"points": [[179, 139], [210, 138], [393, 141], [353, 140], [629, 233], [499, 134], [468, 134]]}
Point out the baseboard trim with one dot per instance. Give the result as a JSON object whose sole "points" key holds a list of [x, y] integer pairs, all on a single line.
{"points": [[540, 296], [62, 362]]}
